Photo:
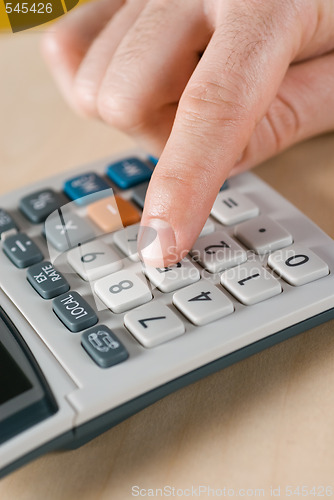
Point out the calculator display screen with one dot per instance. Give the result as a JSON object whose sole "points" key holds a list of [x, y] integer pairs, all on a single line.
{"points": [[13, 382]]}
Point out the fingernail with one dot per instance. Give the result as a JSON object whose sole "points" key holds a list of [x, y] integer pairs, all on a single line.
{"points": [[156, 242]]}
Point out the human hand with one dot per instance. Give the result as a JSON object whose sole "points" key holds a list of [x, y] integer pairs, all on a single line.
{"points": [[215, 86]]}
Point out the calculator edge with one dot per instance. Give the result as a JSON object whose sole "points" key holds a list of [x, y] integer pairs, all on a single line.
{"points": [[79, 436]]}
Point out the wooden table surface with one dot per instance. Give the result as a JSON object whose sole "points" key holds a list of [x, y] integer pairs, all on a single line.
{"points": [[265, 422]]}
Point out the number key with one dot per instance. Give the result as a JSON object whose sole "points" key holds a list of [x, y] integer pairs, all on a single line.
{"points": [[153, 324], [217, 252], [202, 302], [123, 290]]}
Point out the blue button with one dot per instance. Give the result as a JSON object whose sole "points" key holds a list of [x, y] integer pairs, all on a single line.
{"points": [[78, 188], [153, 159], [129, 172]]}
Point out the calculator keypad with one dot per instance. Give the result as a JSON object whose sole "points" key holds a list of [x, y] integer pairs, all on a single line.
{"points": [[93, 260], [153, 324], [298, 265], [217, 252], [202, 302], [250, 283], [123, 290], [232, 207], [263, 235], [123, 285]]}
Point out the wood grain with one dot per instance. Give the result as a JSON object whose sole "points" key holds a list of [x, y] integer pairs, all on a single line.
{"points": [[266, 421]]}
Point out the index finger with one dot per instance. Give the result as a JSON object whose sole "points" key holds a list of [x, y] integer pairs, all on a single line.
{"points": [[227, 95]]}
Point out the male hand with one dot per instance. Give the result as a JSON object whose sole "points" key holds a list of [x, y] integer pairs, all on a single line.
{"points": [[213, 86]]}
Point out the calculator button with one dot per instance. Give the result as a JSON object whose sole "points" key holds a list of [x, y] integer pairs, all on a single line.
{"points": [[39, 205], [169, 279], [21, 250], [250, 283], [208, 228], [6, 222], [298, 265], [103, 346], [122, 291], [85, 188], [139, 194], [113, 213], [217, 252], [67, 230], [153, 324], [46, 280], [202, 302], [94, 260], [153, 159], [232, 207], [126, 241], [263, 235], [129, 172], [74, 312], [225, 186]]}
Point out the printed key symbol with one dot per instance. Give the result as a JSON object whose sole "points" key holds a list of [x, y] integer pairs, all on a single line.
{"points": [[19, 245]]}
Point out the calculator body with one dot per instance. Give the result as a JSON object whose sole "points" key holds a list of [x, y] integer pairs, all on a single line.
{"points": [[61, 398]]}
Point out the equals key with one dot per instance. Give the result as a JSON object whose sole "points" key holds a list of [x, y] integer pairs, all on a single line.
{"points": [[21, 250]]}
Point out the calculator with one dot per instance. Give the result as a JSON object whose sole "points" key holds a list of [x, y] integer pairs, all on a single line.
{"points": [[89, 335]]}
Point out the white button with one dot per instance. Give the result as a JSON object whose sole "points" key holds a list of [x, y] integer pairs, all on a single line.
{"points": [[232, 207], [250, 283], [123, 290], [126, 240], [153, 324], [202, 302], [170, 278], [208, 228], [298, 265], [94, 260], [263, 235], [218, 252]]}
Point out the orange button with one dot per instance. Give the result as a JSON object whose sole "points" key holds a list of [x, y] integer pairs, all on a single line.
{"points": [[113, 213]]}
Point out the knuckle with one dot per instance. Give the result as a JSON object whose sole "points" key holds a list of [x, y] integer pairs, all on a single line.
{"points": [[119, 110], [213, 103], [85, 94], [284, 122]]}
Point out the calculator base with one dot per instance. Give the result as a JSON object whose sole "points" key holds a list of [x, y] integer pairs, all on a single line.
{"points": [[86, 432]]}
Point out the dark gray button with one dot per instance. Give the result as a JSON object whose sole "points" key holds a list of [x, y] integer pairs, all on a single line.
{"points": [[103, 346], [65, 230], [6, 222], [21, 250], [139, 194], [46, 280], [224, 186], [39, 205], [74, 311]]}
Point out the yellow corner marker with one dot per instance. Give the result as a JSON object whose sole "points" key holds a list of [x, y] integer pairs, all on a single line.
{"points": [[19, 15]]}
